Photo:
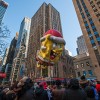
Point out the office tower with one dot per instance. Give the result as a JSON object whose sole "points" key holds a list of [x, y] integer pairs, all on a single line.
{"points": [[3, 7], [88, 12], [8, 74], [9, 60], [12, 48], [5, 56], [4, 60], [21, 48], [82, 48], [47, 17], [23, 33]]}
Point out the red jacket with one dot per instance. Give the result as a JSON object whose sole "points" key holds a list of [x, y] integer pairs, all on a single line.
{"points": [[98, 87]]}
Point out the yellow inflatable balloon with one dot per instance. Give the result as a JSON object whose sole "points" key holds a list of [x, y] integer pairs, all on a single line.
{"points": [[52, 46]]}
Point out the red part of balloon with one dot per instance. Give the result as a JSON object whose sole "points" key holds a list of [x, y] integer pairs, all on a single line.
{"points": [[54, 33], [2, 75]]}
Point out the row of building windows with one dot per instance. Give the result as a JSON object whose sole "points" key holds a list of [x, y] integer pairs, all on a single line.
{"points": [[91, 23], [95, 9], [90, 73], [82, 65]]}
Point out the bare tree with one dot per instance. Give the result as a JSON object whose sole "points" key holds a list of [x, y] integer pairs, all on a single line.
{"points": [[4, 35]]}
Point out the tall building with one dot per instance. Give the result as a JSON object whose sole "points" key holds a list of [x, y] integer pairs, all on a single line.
{"points": [[88, 12], [82, 48], [5, 56], [3, 7], [12, 48], [23, 36], [4, 60], [21, 49], [8, 73], [47, 17], [9, 60]]}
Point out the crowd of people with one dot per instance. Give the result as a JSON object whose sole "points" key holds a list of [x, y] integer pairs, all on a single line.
{"points": [[73, 89]]}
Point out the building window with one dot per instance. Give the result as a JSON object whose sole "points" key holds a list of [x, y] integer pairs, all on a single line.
{"points": [[92, 24], [98, 39], [84, 73], [94, 45], [95, 10], [98, 15], [95, 32], [90, 72], [87, 63], [83, 16], [86, 11], [93, 6], [86, 24], [96, 35], [91, 38], [79, 74], [77, 66], [99, 43], [91, 2], [88, 15], [92, 41], [89, 33], [88, 29], [82, 65], [93, 27], [90, 19]]}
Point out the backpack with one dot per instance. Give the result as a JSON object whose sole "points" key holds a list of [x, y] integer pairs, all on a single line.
{"points": [[91, 92]]}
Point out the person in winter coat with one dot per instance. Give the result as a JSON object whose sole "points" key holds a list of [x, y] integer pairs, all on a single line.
{"points": [[3, 93], [83, 82], [74, 92], [26, 91], [41, 93], [58, 91], [98, 87]]}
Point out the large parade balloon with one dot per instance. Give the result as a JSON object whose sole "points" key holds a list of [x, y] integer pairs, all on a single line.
{"points": [[52, 46]]}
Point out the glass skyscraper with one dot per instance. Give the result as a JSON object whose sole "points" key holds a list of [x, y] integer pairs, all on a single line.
{"points": [[3, 7], [21, 48]]}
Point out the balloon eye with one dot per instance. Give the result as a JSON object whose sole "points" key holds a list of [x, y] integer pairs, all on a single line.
{"points": [[54, 44]]}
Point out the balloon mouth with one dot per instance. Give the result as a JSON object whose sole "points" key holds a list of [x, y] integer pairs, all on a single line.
{"points": [[53, 55], [44, 61]]}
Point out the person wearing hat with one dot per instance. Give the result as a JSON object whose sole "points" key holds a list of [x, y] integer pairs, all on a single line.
{"points": [[26, 92], [41, 92]]}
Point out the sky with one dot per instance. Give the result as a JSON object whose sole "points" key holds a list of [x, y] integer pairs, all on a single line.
{"points": [[18, 9]]}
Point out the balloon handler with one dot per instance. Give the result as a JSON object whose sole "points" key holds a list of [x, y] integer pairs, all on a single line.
{"points": [[52, 46]]}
